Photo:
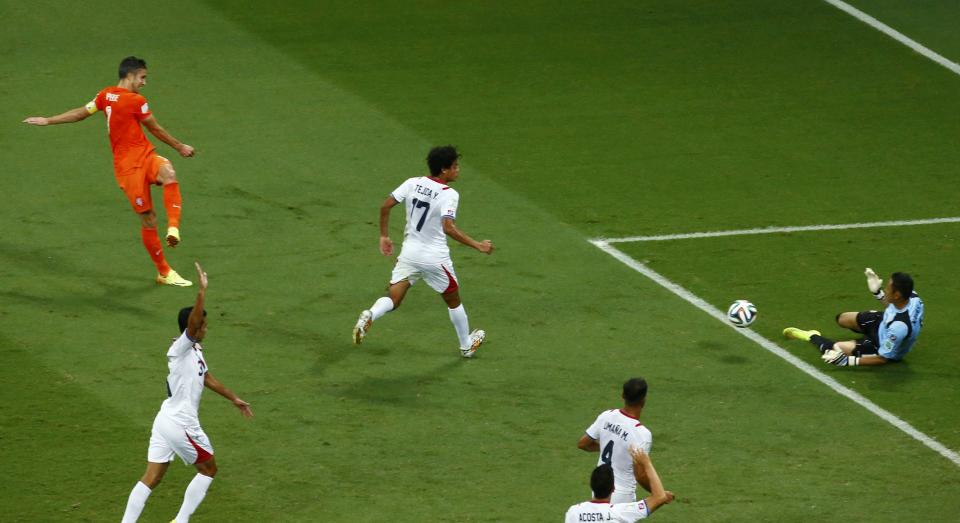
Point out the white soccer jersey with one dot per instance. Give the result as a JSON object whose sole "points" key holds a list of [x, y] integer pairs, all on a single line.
{"points": [[602, 511], [428, 202], [185, 381], [617, 432]]}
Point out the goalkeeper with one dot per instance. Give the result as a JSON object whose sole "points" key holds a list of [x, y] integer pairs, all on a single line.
{"points": [[887, 336]]}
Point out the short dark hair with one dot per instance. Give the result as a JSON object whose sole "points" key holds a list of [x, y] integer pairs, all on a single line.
{"points": [[184, 316], [441, 157], [601, 481], [634, 391], [130, 64], [902, 283]]}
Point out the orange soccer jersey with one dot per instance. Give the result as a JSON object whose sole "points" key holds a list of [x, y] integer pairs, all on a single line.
{"points": [[124, 111]]}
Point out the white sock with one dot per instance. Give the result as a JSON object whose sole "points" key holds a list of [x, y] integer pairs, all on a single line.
{"points": [[381, 307], [196, 490], [136, 501], [458, 317]]}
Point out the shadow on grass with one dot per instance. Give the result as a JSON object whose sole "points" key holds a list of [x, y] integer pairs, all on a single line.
{"points": [[105, 291]]}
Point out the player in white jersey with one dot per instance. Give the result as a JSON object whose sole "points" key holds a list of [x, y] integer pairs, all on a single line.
{"points": [[615, 433], [176, 429], [431, 211], [601, 507], [887, 336]]}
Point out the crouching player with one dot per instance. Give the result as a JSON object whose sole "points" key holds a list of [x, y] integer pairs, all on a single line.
{"points": [[176, 429], [887, 336], [601, 483]]}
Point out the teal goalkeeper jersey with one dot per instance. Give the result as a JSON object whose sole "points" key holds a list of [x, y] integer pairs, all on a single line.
{"points": [[900, 328]]}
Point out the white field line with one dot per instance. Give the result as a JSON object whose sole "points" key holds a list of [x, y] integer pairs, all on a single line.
{"points": [[893, 33], [772, 230], [775, 349]]}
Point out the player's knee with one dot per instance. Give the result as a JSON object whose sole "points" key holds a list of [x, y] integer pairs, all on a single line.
{"points": [[151, 479], [208, 468], [452, 299], [167, 175], [148, 219]]}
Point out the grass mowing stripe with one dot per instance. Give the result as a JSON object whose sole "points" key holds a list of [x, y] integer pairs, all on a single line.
{"points": [[778, 351], [893, 33], [771, 230]]}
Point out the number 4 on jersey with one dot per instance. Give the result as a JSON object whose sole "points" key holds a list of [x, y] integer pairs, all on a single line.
{"points": [[607, 455]]}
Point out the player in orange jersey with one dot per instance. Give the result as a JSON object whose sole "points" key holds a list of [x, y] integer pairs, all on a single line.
{"points": [[136, 164]]}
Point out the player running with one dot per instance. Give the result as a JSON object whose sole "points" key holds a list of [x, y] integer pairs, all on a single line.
{"points": [[601, 483], [431, 210], [617, 432], [887, 336], [176, 429], [135, 162]]}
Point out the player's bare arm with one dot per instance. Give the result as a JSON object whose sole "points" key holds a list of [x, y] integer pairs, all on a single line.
{"points": [[873, 359], [195, 322], [73, 115], [214, 384], [155, 129], [588, 444], [386, 244], [640, 474], [451, 230], [658, 496]]}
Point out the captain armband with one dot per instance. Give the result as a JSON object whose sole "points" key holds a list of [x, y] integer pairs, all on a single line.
{"points": [[91, 106]]}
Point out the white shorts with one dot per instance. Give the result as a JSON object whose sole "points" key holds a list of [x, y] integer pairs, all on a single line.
{"points": [[439, 276], [169, 437], [623, 496]]}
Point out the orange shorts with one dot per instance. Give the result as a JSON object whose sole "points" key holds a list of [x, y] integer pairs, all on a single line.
{"points": [[136, 182]]}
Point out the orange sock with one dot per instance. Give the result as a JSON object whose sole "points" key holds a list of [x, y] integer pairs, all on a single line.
{"points": [[152, 243], [172, 202]]}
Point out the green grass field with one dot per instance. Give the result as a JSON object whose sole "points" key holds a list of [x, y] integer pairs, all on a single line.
{"points": [[577, 120]]}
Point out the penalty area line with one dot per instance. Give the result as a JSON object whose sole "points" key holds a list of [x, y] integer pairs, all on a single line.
{"points": [[775, 349], [773, 230], [896, 35]]}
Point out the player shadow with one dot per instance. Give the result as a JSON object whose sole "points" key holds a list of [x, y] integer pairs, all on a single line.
{"points": [[406, 390], [114, 289], [892, 376], [721, 352]]}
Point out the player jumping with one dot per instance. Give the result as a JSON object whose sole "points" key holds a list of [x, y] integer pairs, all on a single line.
{"points": [[135, 162], [176, 429], [888, 335], [431, 210]]}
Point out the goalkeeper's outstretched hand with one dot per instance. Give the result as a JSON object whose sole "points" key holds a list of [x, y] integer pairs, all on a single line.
{"points": [[874, 282]]}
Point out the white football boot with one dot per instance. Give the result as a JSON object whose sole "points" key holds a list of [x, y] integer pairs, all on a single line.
{"points": [[476, 339], [362, 326]]}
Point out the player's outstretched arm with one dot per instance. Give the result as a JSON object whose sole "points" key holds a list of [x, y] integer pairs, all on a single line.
{"points": [[73, 115], [874, 283], [151, 124], [195, 320], [588, 444], [451, 230], [658, 496], [214, 384], [386, 244]]}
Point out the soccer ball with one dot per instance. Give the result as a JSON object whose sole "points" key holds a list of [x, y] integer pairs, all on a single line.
{"points": [[742, 313]]}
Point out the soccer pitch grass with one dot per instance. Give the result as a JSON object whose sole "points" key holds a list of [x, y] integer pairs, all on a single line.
{"points": [[576, 121]]}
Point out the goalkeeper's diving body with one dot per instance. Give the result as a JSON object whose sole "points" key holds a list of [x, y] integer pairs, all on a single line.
{"points": [[887, 336]]}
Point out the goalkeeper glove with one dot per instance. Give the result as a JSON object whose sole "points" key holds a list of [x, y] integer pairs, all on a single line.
{"points": [[838, 358], [874, 283]]}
